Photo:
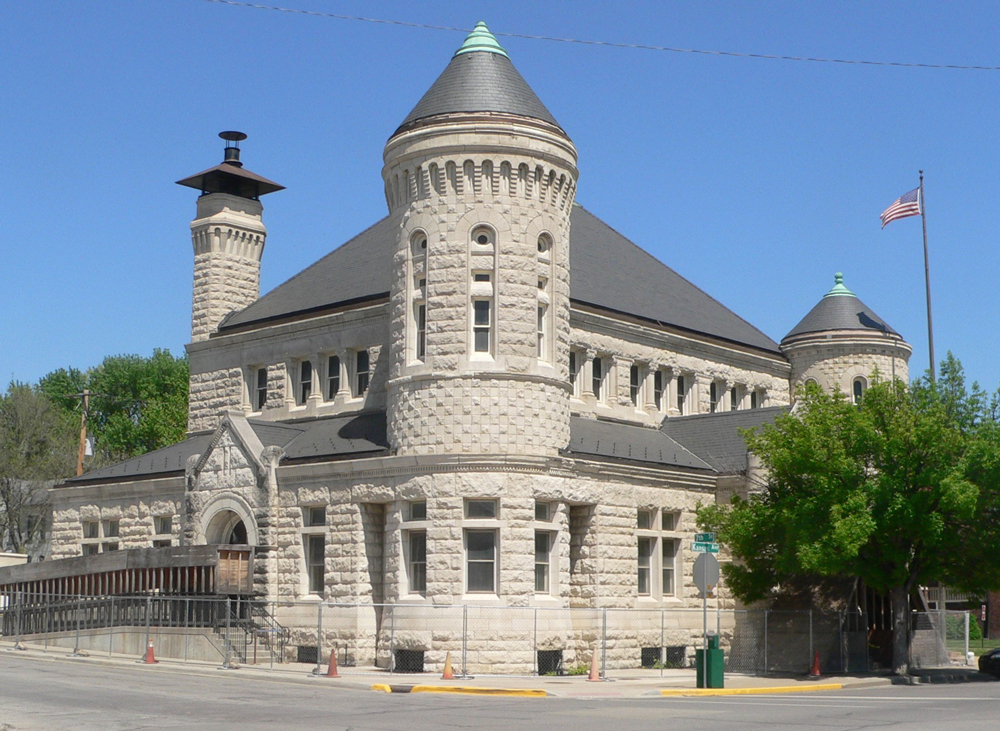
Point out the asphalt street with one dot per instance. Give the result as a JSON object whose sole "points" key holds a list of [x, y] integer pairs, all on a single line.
{"points": [[53, 695]]}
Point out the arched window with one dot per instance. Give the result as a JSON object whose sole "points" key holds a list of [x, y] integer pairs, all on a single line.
{"points": [[417, 346], [860, 386]]}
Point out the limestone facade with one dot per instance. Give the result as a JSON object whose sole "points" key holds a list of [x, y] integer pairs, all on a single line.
{"points": [[477, 493]]}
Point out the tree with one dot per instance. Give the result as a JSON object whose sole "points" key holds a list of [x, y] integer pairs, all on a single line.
{"points": [[898, 491], [36, 447], [137, 404]]}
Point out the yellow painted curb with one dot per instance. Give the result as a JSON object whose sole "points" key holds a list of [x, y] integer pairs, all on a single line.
{"points": [[523, 693], [382, 687], [673, 692]]}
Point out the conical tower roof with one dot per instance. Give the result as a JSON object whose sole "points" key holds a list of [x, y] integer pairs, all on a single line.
{"points": [[480, 78], [840, 309]]}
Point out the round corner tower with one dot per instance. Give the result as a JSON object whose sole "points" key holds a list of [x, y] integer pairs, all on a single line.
{"points": [[842, 342], [480, 181]]}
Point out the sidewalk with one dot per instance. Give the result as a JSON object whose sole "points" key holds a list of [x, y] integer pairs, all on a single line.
{"points": [[622, 683]]}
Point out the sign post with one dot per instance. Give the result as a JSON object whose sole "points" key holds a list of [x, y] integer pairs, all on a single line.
{"points": [[706, 578]]}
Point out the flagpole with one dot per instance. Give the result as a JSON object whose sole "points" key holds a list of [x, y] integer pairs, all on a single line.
{"points": [[927, 279]]}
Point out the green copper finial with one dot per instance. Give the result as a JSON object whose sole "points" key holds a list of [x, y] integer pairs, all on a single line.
{"points": [[480, 39], [839, 290]]}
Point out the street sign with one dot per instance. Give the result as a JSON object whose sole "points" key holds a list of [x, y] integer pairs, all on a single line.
{"points": [[701, 547], [706, 572], [705, 537]]}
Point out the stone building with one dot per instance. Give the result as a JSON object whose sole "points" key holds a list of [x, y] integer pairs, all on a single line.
{"points": [[489, 398]]}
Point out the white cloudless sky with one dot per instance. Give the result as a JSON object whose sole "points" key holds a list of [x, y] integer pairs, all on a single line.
{"points": [[755, 179]]}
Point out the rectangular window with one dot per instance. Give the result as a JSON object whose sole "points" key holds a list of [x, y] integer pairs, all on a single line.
{"points": [[481, 509], [91, 529], [480, 277], [421, 331], [417, 562], [598, 378], [734, 399], [313, 517], [162, 543], [332, 377], [668, 520], [260, 389], [480, 547], [361, 364], [90, 549], [669, 553], [305, 381], [681, 393], [645, 564], [110, 528], [572, 372], [543, 511], [658, 390], [754, 400], [481, 326], [541, 332], [418, 510], [109, 546], [633, 385], [163, 524], [315, 562], [713, 396], [645, 520], [543, 546]]}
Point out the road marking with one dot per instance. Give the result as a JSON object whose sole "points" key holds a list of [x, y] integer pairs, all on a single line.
{"points": [[778, 690]]}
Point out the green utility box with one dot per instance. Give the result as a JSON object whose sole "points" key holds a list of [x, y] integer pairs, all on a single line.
{"points": [[715, 668]]}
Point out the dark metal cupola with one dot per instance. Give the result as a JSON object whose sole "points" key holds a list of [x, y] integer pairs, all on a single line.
{"points": [[229, 176]]}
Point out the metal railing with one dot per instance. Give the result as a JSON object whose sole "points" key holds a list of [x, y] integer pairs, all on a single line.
{"points": [[237, 630]]}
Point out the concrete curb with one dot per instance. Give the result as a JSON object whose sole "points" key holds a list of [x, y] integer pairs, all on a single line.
{"points": [[461, 690], [675, 692]]}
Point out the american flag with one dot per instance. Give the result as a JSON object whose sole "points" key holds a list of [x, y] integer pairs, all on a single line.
{"points": [[905, 205]]}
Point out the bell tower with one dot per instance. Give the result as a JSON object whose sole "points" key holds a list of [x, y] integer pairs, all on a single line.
{"points": [[228, 237], [480, 180]]}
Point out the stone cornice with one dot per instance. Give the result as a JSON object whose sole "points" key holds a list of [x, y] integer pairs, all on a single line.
{"points": [[666, 337]]}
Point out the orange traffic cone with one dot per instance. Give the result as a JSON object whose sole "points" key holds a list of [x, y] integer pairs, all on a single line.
{"points": [[447, 674], [149, 659], [595, 674], [814, 671], [331, 672]]}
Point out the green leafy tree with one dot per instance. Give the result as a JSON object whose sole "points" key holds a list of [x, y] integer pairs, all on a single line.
{"points": [[898, 491], [136, 405], [36, 448]]}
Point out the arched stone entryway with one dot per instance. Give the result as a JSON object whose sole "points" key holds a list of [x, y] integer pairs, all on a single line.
{"points": [[228, 520]]}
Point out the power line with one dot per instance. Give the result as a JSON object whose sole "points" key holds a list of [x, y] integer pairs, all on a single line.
{"points": [[613, 44]]}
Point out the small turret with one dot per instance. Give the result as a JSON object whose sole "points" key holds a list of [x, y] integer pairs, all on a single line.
{"points": [[841, 342]]}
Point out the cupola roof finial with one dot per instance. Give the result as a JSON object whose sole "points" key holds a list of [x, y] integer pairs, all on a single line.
{"points": [[839, 290], [480, 39]]}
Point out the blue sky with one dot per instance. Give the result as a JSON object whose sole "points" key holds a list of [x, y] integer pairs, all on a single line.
{"points": [[755, 179]]}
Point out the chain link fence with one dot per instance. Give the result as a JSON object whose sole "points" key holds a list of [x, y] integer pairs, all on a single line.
{"points": [[940, 638], [480, 639]]}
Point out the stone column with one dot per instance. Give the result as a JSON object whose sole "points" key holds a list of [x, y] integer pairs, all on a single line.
{"points": [[587, 374], [649, 389]]}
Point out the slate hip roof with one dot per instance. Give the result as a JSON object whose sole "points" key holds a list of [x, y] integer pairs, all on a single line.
{"points": [[607, 271]]}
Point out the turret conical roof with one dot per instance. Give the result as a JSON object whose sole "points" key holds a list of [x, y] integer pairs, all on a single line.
{"points": [[480, 78], [840, 309]]}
